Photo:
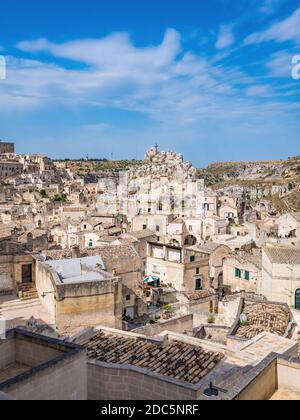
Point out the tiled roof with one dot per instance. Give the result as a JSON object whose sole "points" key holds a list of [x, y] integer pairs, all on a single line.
{"points": [[264, 317], [143, 234], [177, 360], [283, 255], [209, 247], [247, 258], [198, 295]]}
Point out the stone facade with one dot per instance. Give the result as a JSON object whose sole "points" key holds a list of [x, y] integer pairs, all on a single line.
{"points": [[51, 370], [79, 303], [186, 269], [6, 147], [280, 275]]}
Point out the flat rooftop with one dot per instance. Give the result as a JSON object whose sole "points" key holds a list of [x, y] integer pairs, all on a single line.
{"points": [[77, 270], [178, 360]]}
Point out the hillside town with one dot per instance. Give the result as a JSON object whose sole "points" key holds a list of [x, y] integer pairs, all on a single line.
{"points": [[152, 280]]}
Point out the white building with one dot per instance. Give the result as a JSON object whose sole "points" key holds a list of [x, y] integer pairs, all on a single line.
{"points": [[281, 275]]}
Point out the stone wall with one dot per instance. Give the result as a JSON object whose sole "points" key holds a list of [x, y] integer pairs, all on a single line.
{"points": [[279, 281], [80, 305], [7, 352], [11, 270], [7, 147], [178, 325], [262, 387], [288, 375], [107, 383], [6, 274], [59, 371]]}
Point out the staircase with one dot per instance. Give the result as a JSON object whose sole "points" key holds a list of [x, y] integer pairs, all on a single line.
{"points": [[27, 291]]}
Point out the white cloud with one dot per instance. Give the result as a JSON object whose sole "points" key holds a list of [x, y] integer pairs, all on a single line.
{"points": [[285, 30], [258, 90], [269, 6], [280, 64], [225, 38], [114, 51], [170, 88]]}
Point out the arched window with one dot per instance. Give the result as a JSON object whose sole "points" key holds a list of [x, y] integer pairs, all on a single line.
{"points": [[297, 299], [91, 243]]}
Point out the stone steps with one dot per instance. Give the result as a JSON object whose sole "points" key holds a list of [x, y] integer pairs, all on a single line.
{"points": [[27, 291], [19, 304]]}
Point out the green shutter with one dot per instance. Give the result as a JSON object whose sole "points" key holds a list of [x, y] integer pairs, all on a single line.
{"points": [[247, 276], [238, 273]]}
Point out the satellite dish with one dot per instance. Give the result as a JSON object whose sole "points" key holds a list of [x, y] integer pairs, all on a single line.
{"points": [[243, 318], [59, 270]]}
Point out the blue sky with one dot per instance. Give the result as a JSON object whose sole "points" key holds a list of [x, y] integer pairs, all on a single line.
{"points": [[211, 79]]}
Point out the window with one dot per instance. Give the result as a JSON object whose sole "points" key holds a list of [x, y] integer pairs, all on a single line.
{"points": [[197, 271], [247, 276], [192, 258], [238, 273], [297, 300], [144, 227], [128, 298], [157, 228], [198, 284]]}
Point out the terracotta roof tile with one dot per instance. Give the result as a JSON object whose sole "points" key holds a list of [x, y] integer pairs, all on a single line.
{"points": [[177, 360]]}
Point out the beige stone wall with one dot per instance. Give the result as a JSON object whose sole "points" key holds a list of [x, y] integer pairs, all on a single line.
{"points": [[169, 272], [113, 383], [216, 260], [18, 262], [262, 387], [11, 270], [45, 283], [288, 375], [80, 305], [65, 380], [177, 325], [279, 281], [86, 311], [6, 273], [190, 276], [32, 353], [7, 352], [241, 284]]}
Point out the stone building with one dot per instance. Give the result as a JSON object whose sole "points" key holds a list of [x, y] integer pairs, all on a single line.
{"points": [[217, 255], [6, 147], [179, 367], [289, 225], [163, 184], [242, 273], [125, 262], [186, 269], [281, 275], [156, 223], [78, 293]]}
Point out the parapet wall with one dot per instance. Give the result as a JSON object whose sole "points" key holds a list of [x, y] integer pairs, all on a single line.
{"points": [[56, 370], [177, 325]]}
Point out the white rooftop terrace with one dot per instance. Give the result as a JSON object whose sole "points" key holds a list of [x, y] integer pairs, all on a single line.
{"points": [[77, 270]]}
